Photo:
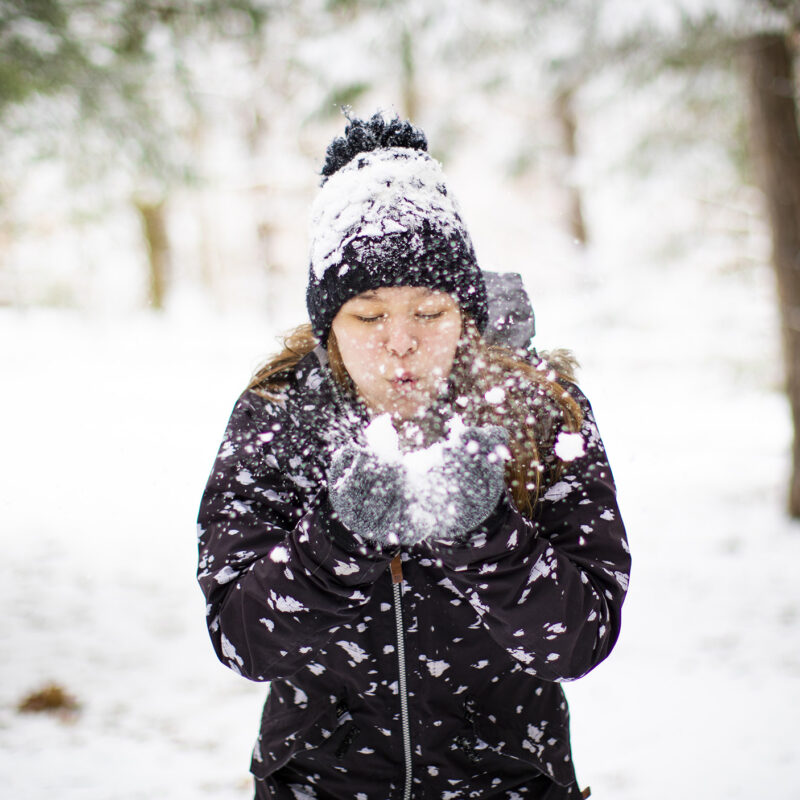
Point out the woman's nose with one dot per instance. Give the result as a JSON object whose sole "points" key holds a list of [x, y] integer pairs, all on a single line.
{"points": [[400, 338]]}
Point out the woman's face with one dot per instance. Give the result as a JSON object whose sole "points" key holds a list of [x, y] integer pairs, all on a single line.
{"points": [[398, 345]]}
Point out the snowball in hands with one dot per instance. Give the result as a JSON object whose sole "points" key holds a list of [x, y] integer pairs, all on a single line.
{"points": [[437, 494]]}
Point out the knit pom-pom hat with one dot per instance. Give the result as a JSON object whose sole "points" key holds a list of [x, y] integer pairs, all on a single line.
{"points": [[384, 217]]}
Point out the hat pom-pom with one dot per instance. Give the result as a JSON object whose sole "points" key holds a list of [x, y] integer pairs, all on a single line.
{"points": [[363, 136]]}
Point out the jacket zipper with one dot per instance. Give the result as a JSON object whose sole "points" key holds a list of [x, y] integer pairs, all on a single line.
{"points": [[397, 581]]}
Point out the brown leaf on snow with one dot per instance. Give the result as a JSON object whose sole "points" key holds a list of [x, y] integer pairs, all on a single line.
{"points": [[51, 698]]}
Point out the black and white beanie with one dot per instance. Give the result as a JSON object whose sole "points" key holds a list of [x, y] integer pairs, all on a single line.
{"points": [[384, 217]]}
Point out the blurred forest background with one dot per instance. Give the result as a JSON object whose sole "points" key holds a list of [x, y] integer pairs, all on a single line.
{"points": [[157, 146], [163, 148], [637, 161], [165, 151]]}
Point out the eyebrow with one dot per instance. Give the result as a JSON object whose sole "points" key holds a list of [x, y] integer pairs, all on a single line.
{"points": [[372, 294]]}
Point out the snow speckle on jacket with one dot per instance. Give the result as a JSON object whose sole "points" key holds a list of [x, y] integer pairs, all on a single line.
{"points": [[495, 395], [569, 446]]}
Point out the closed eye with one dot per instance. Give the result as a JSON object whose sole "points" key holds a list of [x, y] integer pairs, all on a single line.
{"points": [[435, 315], [364, 318]]}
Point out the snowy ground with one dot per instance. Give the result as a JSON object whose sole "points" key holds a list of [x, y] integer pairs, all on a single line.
{"points": [[109, 428]]}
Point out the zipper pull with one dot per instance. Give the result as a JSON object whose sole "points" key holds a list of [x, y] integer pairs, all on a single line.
{"points": [[396, 566]]}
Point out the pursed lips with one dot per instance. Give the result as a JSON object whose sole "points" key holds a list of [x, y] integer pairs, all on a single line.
{"points": [[403, 380]]}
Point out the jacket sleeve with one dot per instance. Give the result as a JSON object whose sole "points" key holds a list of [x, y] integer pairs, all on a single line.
{"points": [[551, 590], [279, 575]]}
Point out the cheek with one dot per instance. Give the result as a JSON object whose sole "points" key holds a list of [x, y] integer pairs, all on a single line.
{"points": [[359, 356], [444, 362], [442, 349]]}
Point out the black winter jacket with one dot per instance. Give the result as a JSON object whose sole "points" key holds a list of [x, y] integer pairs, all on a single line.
{"points": [[442, 682]]}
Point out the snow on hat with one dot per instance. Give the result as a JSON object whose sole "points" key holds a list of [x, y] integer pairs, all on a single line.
{"points": [[384, 217]]}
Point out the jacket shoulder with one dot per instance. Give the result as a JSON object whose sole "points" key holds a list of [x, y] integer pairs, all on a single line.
{"points": [[303, 380]]}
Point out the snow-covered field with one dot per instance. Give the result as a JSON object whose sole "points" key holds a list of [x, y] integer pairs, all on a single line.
{"points": [[109, 427]]}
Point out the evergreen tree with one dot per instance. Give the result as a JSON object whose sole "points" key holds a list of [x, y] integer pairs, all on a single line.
{"points": [[96, 84]]}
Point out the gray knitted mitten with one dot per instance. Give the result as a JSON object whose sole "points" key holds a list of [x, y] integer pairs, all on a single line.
{"points": [[367, 495], [467, 486]]}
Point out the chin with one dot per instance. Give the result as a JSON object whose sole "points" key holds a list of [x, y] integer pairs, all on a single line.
{"points": [[403, 407], [406, 411]]}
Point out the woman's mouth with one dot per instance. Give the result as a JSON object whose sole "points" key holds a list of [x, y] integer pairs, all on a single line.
{"points": [[404, 382]]}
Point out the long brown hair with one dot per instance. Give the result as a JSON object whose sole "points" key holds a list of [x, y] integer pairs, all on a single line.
{"points": [[491, 385]]}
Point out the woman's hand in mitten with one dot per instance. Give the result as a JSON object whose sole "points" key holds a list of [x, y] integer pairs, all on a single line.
{"points": [[470, 480], [367, 495]]}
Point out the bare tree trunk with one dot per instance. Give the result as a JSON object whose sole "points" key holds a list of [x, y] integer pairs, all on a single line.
{"points": [[776, 145], [9, 285], [155, 232], [205, 257], [409, 75], [565, 115]]}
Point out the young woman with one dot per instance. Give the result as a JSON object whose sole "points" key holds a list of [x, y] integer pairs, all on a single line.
{"points": [[410, 530]]}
